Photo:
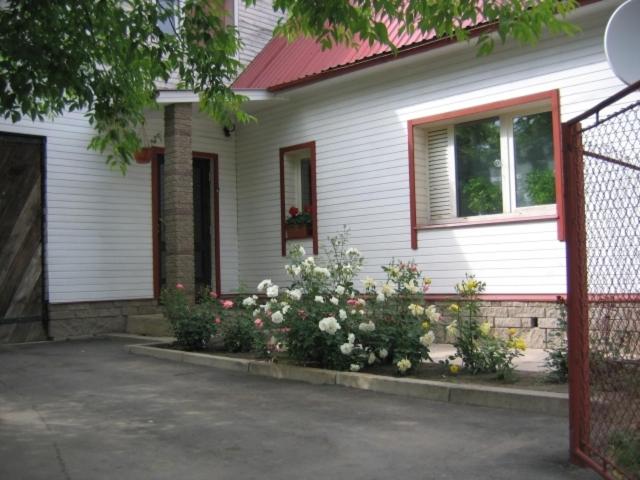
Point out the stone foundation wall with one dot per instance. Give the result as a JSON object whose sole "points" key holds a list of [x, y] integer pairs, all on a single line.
{"points": [[68, 320], [536, 322]]}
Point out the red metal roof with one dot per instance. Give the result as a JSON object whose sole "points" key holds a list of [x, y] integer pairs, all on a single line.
{"points": [[281, 64]]}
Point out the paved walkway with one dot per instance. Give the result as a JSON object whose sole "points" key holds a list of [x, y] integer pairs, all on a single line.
{"points": [[87, 410], [532, 360]]}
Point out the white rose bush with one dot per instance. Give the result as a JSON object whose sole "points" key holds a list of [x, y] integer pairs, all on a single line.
{"points": [[321, 320]]}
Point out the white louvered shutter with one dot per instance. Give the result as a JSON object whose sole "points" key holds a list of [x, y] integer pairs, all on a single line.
{"points": [[439, 188]]}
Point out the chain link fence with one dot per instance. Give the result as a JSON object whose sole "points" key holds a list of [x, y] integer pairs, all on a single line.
{"points": [[602, 179]]}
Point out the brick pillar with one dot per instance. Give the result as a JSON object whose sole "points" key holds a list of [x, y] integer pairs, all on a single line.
{"points": [[178, 196]]}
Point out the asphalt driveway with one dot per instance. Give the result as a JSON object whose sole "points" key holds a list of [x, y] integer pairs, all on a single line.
{"points": [[88, 410]]}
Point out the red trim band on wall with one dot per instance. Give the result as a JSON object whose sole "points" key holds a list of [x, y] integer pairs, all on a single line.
{"points": [[552, 96], [311, 146]]}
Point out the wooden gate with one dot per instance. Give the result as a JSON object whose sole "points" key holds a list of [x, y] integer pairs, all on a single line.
{"points": [[22, 303]]}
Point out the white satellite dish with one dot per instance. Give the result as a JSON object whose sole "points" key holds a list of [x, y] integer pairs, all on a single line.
{"points": [[622, 42]]}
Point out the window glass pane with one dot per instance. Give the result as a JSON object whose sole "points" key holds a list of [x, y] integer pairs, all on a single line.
{"points": [[534, 167], [305, 182], [478, 167], [168, 24]]}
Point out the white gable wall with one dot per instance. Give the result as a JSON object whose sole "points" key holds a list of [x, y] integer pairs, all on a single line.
{"points": [[255, 25], [359, 124], [98, 222], [99, 232]]}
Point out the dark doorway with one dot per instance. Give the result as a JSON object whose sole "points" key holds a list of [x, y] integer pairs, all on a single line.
{"points": [[202, 222], [22, 302], [205, 216]]}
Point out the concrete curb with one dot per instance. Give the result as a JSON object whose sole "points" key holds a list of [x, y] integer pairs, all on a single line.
{"points": [[548, 403]]}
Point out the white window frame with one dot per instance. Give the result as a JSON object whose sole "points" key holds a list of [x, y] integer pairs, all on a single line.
{"points": [[507, 157]]}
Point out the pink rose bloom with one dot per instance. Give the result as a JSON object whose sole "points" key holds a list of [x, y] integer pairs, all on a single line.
{"points": [[217, 321], [179, 286], [258, 322], [352, 302], [213, 294], [227, 304]]}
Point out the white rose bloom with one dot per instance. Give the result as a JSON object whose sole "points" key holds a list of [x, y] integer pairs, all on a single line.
{"points": [[342, 314], [372, 358], [272, 291], [403, 365], [369, 283], [362, 302], [353, 312], [296, 294], [352, 251], [263, 285], [388, 289], [340, 290], [296, 270], [301, 250], [318, 299], [334, 300], [346, 348], [309, 261], [383, 353], [427, 339], [248, 302], [329, 325], [367, 327], [256, 312], [285, 309], [354, 367], [432, 313], [380, 297], [347, 268], [411, 286], [322, 271], [351, 338], [277, 317]]}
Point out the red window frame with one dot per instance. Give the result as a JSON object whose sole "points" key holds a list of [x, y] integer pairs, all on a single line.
{"points": [[553, 97]]}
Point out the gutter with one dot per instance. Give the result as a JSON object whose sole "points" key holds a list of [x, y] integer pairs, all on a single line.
{"points": [[166, 97]]}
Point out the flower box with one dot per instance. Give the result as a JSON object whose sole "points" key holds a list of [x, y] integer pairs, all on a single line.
{"points": [[297, 231], [144, 155]]}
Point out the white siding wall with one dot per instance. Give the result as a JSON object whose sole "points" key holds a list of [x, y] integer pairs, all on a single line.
{"points": [[98, 222], [209, 138], [99, 237], [255, 24], [359, 124]]}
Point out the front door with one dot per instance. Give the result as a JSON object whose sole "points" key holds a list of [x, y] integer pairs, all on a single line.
{"points": [[202, 222], [21, 250], [205, 222]]}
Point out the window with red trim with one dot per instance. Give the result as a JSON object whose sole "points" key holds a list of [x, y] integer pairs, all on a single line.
{"points": [[498, 162], [298, 194]]}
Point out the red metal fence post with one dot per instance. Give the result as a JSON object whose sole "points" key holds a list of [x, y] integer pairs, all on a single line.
{"points": [[577, 295]]}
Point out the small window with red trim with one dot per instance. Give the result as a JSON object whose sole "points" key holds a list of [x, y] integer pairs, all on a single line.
{"points": [[481, 165], [297, 192], [299, 207]]}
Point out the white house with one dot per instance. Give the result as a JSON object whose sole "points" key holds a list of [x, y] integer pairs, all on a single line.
{"points": [[435, 154]]}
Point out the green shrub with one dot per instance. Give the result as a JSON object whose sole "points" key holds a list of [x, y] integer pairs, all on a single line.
{"points": [[480, 350], [624, 447], [192, 324], [557, 360]]}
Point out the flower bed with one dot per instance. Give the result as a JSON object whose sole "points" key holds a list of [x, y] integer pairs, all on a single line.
{"points": [[321, 319]]}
